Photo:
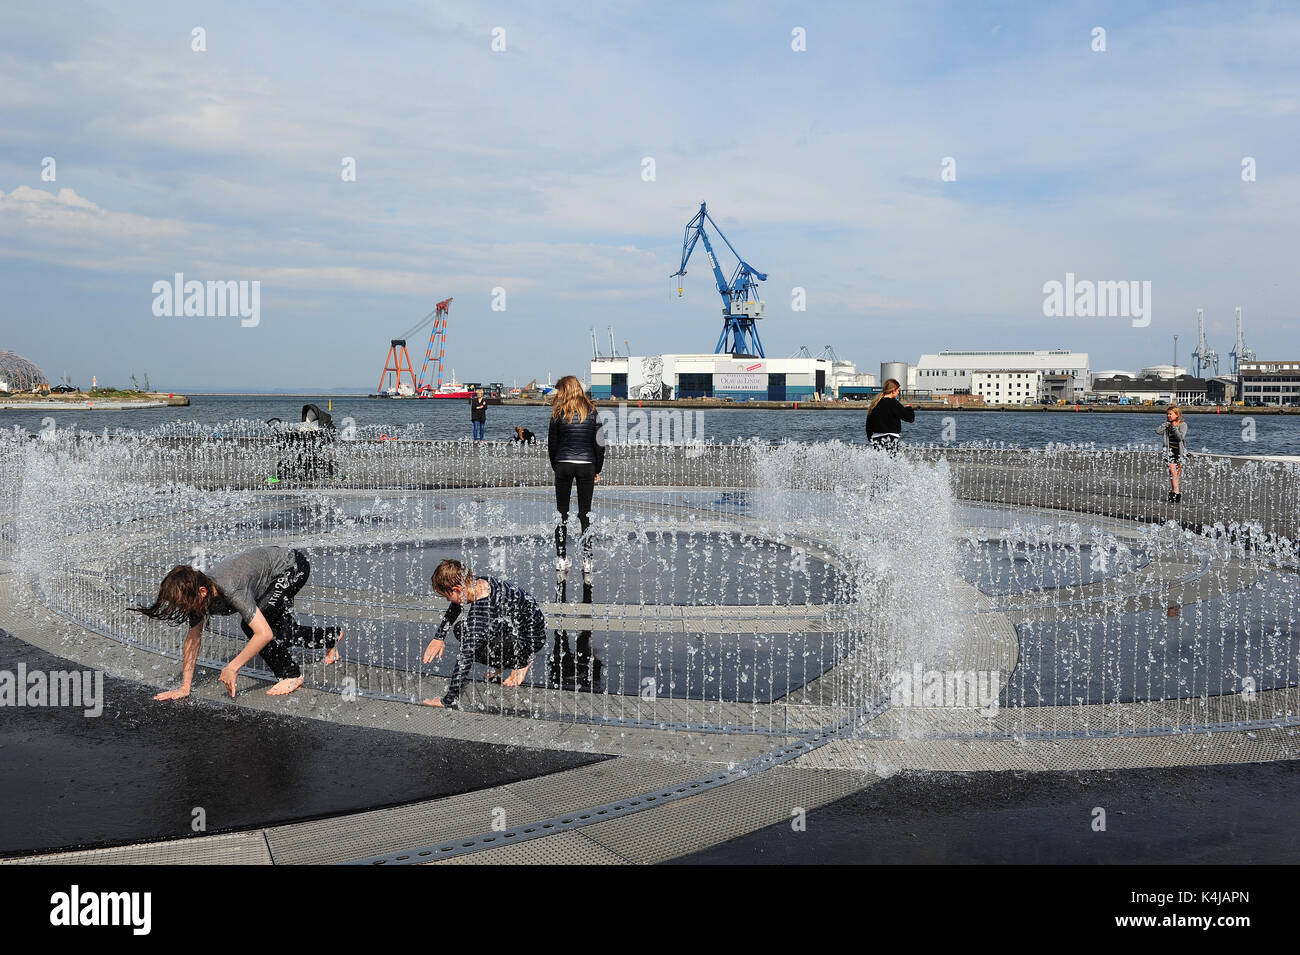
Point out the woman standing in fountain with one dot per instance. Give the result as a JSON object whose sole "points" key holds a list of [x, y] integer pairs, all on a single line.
{"points": [[1174, 431], [885, 417], [259, 585], [503, 628], [576, 445]]}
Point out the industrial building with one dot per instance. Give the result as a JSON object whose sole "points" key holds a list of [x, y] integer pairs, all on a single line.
{"points": [[1162, 371], [1221, 390], [659, 377], [1183, 390], [951, 372], [1023, 386], [1269, 382]]}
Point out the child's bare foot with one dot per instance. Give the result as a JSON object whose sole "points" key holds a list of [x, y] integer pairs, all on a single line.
{"points": [[332, 654], [516, 676], [434, 701], [285, 687]]}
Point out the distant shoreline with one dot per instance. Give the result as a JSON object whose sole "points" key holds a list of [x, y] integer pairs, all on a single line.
{"points": [[714, 404], [84, 402]]}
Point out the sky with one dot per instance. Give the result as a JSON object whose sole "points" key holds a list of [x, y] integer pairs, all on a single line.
{"points": [[518, 177]]}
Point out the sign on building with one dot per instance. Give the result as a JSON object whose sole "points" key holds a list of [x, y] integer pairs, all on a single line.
{"points": [[743, 381]]}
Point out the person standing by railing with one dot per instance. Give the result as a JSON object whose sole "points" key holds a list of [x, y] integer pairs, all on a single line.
{"points": [[885, 417], [478, 414], [1174, 432]]}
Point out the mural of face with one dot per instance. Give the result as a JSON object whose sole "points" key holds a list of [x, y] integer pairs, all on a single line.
{"points": [[652, 378]]}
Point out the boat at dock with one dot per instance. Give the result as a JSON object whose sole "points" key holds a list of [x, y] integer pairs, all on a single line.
{"points": [[448, 389]]}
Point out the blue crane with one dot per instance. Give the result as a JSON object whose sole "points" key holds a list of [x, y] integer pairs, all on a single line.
{"points": [[740, 304]]}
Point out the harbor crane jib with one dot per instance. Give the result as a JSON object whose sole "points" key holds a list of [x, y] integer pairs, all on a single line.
{"points": [[740, 303]]}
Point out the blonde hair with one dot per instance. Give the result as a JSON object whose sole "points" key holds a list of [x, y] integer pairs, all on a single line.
{"points": [[449, 574], [891, 384], [571, 402], [1177, 413]]}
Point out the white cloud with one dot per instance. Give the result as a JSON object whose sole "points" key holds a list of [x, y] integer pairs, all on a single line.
{"points": [[31, 214]]}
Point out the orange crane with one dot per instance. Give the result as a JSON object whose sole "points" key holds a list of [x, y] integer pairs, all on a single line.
{"points": [[398, 362], [393, 364], [437, 337]]}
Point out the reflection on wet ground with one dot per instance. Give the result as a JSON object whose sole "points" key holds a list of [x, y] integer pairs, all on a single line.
{"points": [[139, 771]]}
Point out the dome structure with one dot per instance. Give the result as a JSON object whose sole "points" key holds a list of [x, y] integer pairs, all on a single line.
{"points": [[19, 374]]}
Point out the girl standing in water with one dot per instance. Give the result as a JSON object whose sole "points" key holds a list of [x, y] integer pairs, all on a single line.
{"points": [[1174, 431], [576, 447], [885, 417]]}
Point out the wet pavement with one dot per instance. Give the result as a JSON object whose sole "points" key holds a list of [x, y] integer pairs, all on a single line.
{"points": [[1242, 813], [141, 769]]}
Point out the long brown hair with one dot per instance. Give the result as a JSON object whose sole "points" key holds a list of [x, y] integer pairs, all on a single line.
{"points": [[571, 402], [891, 384], [179, 600]]}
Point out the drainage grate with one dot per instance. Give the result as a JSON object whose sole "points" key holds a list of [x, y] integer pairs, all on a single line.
{"points": [[625, 807]]}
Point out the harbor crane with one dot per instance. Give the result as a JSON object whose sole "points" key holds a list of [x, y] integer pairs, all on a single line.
{"points": [[740, 303], [1206, 357], [399, 364], [437, 337], [1240, 351]]}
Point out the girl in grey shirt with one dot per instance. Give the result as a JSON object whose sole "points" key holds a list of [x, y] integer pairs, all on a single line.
{"points": [[1174, 431], [259, 585]]}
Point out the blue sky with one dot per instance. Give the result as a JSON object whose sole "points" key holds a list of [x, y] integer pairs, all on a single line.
{"points": [[523, 170]]}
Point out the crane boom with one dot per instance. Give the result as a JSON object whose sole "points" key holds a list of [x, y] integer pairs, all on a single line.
{"points": [[437, 337], [1206, 357], [1240, 351], [740, 303]]}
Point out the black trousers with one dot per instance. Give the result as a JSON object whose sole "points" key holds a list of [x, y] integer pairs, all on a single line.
{"points": [[509, 653], [277, 608], [566, 473]]}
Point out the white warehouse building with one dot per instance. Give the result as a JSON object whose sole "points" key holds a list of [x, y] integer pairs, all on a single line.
{"points": [[1023, 386], [954, 371], [710, 376]]}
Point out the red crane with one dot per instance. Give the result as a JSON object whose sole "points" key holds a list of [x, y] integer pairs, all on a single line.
{"points": [[399, 361], [436, 337]]}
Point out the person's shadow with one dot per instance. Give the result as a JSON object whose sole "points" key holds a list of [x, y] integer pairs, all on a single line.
{"points": [[577, 667]]}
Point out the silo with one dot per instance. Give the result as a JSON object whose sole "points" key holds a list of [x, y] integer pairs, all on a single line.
{"points": [[896, 370]]}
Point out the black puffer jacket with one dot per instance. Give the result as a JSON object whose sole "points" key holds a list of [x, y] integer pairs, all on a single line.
{"points": [[576, 441], [887, 417]]}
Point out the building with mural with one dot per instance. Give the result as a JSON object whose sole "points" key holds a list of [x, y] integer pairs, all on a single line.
{"points": [[663, 377]]}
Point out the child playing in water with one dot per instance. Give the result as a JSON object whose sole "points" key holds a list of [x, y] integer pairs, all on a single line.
{"points": [[503, 627], [1174, 431], [259, 585]]}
